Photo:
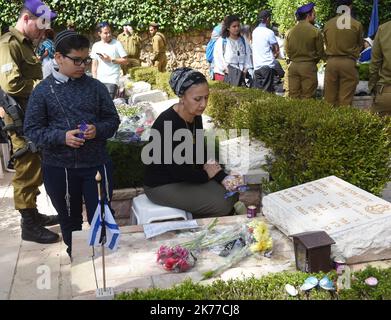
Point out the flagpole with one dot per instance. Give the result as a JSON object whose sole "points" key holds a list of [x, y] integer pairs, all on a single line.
{"points": [[98, 179]]}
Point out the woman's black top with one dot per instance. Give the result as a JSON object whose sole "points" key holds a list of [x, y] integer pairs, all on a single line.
{"points": [[166, 172]]}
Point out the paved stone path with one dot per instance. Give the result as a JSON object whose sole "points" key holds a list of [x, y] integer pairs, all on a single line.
{"points": [[23, 264]]}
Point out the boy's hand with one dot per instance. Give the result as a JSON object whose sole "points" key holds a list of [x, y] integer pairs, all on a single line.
{"points": [[90, 133], [72, 141]]}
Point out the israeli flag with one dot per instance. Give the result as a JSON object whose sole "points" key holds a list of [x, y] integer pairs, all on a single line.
{"points": [[112, 230], [374, 23]]}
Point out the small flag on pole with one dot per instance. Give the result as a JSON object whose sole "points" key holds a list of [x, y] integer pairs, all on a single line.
{"points": [[112, 230], [374, 23]]}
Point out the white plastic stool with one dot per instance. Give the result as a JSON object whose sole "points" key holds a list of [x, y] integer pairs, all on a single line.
{"points": [[146, 211]]}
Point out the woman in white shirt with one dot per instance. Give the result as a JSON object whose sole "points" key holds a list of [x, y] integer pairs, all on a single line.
{"points": [[232, 53]]}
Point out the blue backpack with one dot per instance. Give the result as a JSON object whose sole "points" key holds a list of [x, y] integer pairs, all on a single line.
{"points": [[209, 50], [211, 45]]}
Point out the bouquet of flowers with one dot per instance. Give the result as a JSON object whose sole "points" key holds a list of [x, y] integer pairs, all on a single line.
{"points": [[253, 238], [176, 259], [256, 239]]}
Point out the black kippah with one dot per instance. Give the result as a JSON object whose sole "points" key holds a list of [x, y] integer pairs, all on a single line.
{"points": [[63, 35]]}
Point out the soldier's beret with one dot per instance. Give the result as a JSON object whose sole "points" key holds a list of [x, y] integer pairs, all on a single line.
{"points": [[306, 8], [38, 8]]}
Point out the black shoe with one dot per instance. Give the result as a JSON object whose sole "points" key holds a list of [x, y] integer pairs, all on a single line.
{"points": [[31, 231], [45, 220], [10, 166], [69, 251]]}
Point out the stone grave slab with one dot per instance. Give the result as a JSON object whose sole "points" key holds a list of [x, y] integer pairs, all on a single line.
{"points": [[358, 221], [242, 155], [150, 96]]}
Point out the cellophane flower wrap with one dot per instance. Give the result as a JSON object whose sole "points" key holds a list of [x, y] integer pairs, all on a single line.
{"points": [[175, 259]]}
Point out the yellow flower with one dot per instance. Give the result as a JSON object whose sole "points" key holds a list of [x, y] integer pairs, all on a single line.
{"points": [[261, 236]]}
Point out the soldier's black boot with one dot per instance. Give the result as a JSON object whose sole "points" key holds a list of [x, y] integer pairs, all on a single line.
{"points": [[45, 220], [32, 231]]}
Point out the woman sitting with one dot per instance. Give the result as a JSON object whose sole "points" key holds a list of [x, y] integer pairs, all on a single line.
{"points": [[365, 55], [173, 177]]}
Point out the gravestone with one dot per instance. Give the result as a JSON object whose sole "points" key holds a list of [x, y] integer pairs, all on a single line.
{"points": [[150, 96], [242, 155], [358, 221]]}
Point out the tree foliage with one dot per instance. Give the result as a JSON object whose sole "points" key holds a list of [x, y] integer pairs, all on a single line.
{"points": [[184, 15], [172, 15]]}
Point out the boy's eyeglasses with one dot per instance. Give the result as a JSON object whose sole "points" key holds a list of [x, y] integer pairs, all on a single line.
{"points": [[79, 61]]}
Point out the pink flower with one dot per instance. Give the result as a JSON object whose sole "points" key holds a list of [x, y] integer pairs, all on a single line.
{"points": [[183, 265], [170, 263]]}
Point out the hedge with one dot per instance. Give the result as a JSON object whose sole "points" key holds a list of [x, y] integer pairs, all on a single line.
{"points": [[310, 139], [270, 287], [128, 168], [158, 80]]}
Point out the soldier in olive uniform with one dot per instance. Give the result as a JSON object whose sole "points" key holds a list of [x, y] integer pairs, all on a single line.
{"points": [[132, 44], [343, 45], [20, 71], [380, 70], [303, 48], [159, 47]]}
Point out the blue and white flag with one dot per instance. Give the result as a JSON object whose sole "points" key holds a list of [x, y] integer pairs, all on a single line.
{"points": [[112, 230], [374, 23]]}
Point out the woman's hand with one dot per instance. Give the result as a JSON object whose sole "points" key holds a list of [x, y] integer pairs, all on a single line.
{"points": [[72, 141], [212, 169]]}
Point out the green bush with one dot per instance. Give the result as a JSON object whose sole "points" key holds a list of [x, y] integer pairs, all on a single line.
{"points": [[270, 287], [363, 70], [310, 139], [128, 168], [162, 79], [147, 74]]}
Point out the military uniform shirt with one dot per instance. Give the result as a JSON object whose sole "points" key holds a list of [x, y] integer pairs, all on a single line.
{"points": [[158, 46], [343, 42], [20, 69], [304, 43], [131, 44], [380, 68]]}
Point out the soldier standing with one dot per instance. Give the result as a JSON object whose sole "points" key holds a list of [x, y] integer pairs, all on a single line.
{"points": [[20, 71], [380, 70], [159, 47], [303, 48], [343, 37], [131, 42]]}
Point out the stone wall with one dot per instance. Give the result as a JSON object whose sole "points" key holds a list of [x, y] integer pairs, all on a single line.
{"points": [[185, 50]]}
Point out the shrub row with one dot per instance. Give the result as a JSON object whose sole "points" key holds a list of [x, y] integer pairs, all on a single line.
{"points": [[128, 168], [270, 287], [158, 80], [310, 139]]}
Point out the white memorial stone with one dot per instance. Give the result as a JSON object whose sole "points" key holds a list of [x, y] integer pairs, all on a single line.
{"points": [[239, 155], [159, 107], [151, 96], [359, 222], [132, 88]]}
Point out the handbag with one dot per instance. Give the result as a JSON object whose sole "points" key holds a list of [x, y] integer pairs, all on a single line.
{"points": [[234, 76]]}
